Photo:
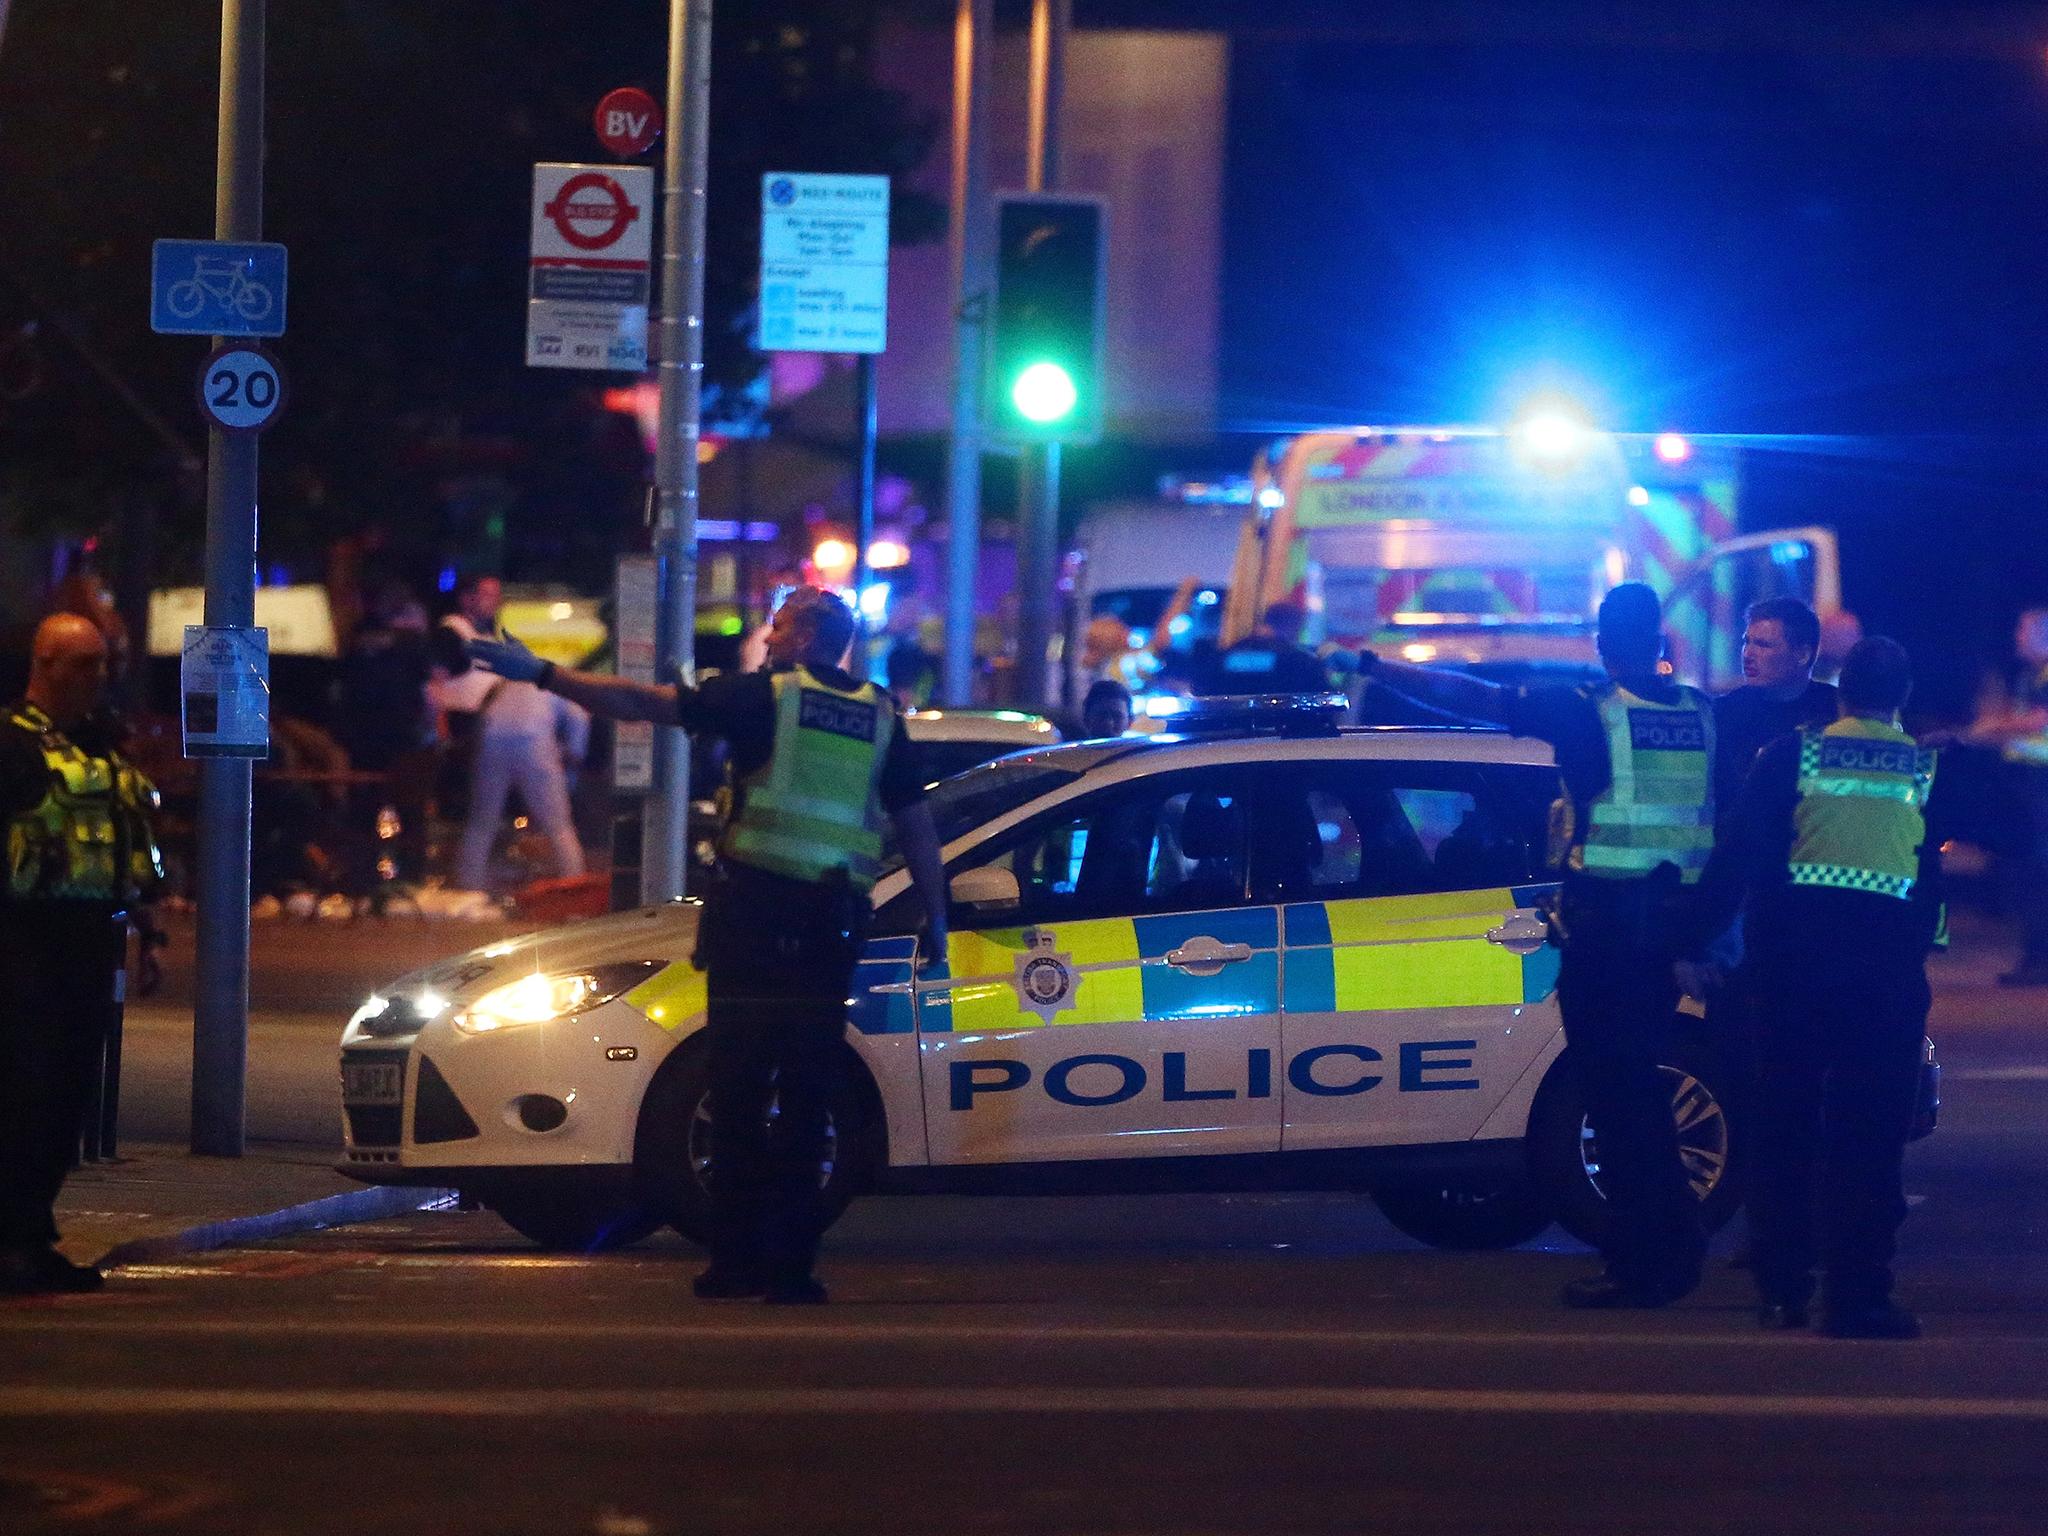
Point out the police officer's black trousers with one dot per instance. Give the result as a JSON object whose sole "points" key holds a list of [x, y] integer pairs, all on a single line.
{"points": [[779, 958], [1841, 1038], [58, 968], [1617, 994]]}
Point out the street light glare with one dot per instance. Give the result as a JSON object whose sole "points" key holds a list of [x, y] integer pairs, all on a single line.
{"points": [[1044, 393], [833, 555]]}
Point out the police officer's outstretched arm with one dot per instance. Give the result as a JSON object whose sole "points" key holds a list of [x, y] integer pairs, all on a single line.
{"points": [[917, 835], [1458, 692], [616, 698]]}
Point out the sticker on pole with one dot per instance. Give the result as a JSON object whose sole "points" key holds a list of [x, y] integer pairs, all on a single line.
{"points": [[224, 691], [628, 121], [241, 388], [639, 614], [589, 266]]}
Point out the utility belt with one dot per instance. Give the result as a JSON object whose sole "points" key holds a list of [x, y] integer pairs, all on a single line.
{"points": [[756, 918]]}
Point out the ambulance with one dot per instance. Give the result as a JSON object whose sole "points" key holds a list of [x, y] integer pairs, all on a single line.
{"points": [[1490, 548]]}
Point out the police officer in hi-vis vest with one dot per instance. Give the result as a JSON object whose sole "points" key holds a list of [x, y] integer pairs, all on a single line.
{"points": [[1634, 827], [79, 850], [818, 759], [1835, 843]]}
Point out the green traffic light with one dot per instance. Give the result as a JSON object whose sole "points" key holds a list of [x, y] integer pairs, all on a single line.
{"points": [[1044, 393]]}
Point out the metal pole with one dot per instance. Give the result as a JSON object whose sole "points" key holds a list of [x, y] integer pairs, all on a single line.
{"points": [[664, 856], [1038, 469], [865, 495], [220, 1013], [968, 232]]}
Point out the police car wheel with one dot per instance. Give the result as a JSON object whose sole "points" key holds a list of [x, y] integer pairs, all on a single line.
{"points": [[1564, 1152], [1469, 1214], [673, 1148], [574, 1220]]}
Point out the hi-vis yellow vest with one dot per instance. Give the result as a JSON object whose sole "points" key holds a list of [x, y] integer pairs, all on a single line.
{"points": [[812, 808], [1659, 806], [88, 838], [1860, 820]]}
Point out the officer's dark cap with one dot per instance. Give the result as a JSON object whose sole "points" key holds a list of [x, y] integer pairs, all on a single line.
{"points": [[1631, 621], [1877, 676]]}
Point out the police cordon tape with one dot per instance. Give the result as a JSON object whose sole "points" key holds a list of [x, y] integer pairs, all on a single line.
{"points": [[345, 1209]]}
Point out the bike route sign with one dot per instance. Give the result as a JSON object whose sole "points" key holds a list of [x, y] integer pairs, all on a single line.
{"points": [[216, 288]]}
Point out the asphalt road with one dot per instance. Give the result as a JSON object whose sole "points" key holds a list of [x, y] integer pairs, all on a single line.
{"points": [[1162, 1364]]}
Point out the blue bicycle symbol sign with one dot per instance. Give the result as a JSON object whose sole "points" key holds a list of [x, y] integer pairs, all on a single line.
{"points": [[225, 282], [213, 288]]}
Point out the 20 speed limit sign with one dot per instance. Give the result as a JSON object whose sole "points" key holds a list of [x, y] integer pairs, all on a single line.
{"points": [[241, 388]]}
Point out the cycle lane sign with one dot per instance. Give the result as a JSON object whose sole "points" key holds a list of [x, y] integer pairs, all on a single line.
{"points": [[217, 288]]}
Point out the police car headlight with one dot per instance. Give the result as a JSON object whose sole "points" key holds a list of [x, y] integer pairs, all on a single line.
{"points": [[382, 1017], [543, 998]]}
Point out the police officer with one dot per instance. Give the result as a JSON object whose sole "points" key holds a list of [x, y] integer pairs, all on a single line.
{"points": [[2019, 729], [818, 758], [1272, 658], [1836, 847], [1635, 827], [79, 849]]}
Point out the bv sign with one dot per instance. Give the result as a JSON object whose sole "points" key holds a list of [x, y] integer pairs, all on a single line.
{"points": [[628, 121]]}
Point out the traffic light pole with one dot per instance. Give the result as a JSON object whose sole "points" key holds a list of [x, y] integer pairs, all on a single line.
{"points": [[968, 234], [665, 824], [220, 1007], [1038, 467]]}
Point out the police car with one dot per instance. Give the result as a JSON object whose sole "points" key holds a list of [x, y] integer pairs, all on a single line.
{"points": [[1260, 951]]}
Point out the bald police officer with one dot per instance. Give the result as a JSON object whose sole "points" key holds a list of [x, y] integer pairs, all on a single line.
{"points": [[818, 759], [79, 850]]}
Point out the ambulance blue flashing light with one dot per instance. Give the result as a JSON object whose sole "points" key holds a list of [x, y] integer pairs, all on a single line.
{"points": [[1551, 435]]}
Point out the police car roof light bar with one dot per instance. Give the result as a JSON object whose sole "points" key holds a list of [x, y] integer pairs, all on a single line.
{"points": [[1282, 714]]}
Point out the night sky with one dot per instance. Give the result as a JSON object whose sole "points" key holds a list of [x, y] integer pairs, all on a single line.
{"points": [[1820, 228]]}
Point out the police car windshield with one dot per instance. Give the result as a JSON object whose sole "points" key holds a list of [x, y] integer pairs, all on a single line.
{"points": [[980, 795]]}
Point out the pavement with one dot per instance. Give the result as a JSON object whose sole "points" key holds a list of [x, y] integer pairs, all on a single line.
{"points": [[155, 1201]]}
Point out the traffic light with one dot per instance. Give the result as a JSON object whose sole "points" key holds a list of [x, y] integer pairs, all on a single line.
{"points": [[1045, 381]]}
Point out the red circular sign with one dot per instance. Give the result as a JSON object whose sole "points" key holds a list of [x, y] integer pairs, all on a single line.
{"points": [[591, 211], [628, 121]]}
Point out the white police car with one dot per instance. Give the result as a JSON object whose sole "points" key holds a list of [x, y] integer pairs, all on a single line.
{"points": [[1259, 952]]}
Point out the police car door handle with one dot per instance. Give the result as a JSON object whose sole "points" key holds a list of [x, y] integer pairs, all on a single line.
{"points": [[1204, 956], [1520, 934]]}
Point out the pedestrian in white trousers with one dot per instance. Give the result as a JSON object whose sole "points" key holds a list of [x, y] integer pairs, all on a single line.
{"points": [[530, 741]]}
